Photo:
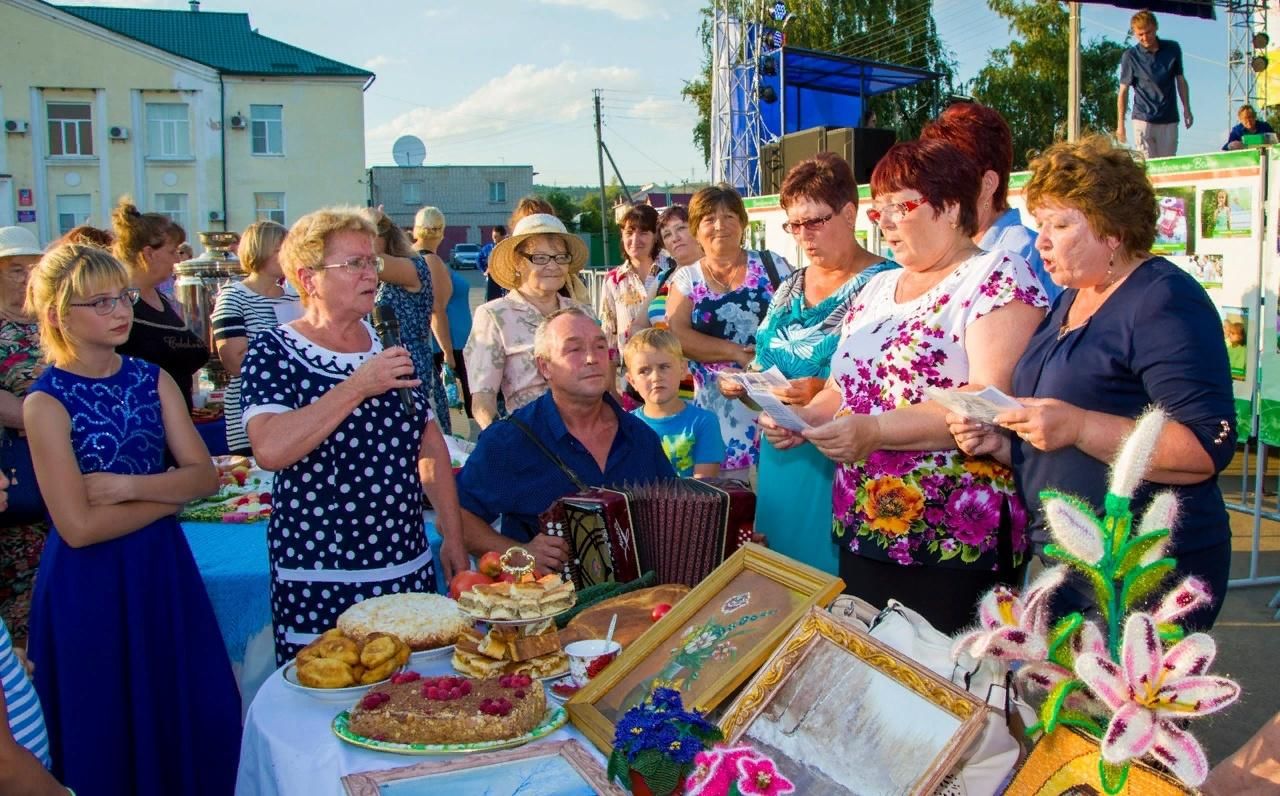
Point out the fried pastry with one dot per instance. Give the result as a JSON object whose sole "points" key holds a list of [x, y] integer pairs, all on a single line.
{"points": [[325, 673]]}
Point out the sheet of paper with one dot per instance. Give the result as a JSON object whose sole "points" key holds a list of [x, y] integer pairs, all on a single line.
{"points": [[982, 405]]}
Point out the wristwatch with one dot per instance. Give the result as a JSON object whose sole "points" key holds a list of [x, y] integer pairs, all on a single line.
{"points": [[380, 266]]}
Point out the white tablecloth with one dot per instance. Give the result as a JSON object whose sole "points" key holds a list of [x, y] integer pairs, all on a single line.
{"points": [[289, 747]]}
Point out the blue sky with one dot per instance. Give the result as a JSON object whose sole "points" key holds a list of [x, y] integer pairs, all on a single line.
{"points": [[510, 81]]}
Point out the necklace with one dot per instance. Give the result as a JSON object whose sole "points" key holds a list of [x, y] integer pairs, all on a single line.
{"points": [[720, 286]]}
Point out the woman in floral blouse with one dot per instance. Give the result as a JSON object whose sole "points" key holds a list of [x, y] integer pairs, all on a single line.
{"points": [[714, 308], [533, 264], [798, 337], [917, 520], [22, 528], [630, 287]]}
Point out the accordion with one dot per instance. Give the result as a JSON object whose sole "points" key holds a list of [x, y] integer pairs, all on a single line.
{"points": [[680, 528]]}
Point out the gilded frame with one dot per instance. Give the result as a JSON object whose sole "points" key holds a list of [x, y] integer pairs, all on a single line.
{"points": [[819, 628], [804, 587], [574, 754]]}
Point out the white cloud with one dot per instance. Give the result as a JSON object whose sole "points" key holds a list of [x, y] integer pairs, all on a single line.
{"points": [[626, 9], [525, 99], [381, 61], [664, 112]]}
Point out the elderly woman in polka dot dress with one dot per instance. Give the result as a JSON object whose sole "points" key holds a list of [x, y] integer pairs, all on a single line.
{"points": [[323, 407]]}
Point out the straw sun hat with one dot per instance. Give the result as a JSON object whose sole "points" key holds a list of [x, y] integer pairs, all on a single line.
{"points": [[505, 263]]}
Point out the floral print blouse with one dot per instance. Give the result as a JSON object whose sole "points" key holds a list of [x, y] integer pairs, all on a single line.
{"points": [[937, 507], [733, 316], [499, 352], [624, 304], [20, 362]]}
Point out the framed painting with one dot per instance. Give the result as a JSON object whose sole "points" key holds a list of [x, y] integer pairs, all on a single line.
{"points": [[710, 642], [561, 768], [1065, 763], [842, 714]]}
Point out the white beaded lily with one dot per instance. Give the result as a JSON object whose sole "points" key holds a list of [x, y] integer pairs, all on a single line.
{"points": [[1111, 676]]}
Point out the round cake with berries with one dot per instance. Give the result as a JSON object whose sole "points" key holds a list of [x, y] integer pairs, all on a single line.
{"points": [[438, 710]]}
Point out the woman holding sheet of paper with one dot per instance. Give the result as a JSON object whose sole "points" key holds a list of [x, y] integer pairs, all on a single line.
{"points": [[914, 518], [1131, 330], [798, 337]]}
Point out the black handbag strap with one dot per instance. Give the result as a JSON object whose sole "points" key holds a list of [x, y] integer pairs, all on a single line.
{"points": [[770, 268], [528, 432]]}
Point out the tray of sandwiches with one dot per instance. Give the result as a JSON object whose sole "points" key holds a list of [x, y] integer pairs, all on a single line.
{"points": [[530, 648], [519, 597]]}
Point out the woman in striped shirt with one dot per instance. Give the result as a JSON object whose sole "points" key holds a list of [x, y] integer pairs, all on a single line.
{"points": [[243, 309]]}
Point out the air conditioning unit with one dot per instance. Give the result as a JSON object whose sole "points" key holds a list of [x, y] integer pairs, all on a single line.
{"points": [[15, 126], [215, 215], [238, 122], [118, 133]]}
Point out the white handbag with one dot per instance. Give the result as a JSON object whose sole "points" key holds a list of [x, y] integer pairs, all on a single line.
{"points": [[990, 760]]}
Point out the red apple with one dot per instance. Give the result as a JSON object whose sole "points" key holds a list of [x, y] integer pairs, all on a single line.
{"points": [[659, 611], [490, 564], [463, 581]]}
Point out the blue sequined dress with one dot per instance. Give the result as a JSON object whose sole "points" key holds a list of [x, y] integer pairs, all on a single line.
{"points": [[137, 689]]}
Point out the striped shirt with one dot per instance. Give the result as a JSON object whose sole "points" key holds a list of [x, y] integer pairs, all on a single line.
{"points": [[26, 720], [240, 312]]}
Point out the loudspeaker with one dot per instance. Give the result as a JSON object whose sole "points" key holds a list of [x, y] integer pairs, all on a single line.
{"points": [[862, 147]]}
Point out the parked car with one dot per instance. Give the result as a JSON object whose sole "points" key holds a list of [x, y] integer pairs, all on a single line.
{"points": [[465, 256]]}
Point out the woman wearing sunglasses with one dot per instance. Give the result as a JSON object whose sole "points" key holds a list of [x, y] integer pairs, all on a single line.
{"points": [[914, 518], [353, 443], [534, 264], [798, 336]]}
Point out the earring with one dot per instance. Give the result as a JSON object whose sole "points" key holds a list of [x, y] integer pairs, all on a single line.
{"points": [[1111, 265], [954, 225]]}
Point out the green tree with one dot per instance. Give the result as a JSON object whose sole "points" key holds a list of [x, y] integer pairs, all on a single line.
{"points": [[895, 31], [565, 207], [1027, 80]]}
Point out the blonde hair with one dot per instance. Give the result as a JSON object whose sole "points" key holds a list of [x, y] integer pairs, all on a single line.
{"points": [[428, 219], [136, 231], [396, 241], [1143, 18], [304, 246], [259, 241], [651, 339], [66, 272]]}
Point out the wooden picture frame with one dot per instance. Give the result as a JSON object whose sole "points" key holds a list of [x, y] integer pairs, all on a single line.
{"points": [[841, 713], [1066, 761], [566, 765], [710, 642]]}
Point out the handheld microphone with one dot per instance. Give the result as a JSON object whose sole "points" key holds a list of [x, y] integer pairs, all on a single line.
{"points": [[387, 325]]}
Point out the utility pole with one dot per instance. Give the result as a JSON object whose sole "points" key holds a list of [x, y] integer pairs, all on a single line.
{"points": [[604, 208], [1073, 72]]}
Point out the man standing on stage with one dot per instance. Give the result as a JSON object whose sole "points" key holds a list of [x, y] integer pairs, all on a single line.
{"points": [[1153, 67]]}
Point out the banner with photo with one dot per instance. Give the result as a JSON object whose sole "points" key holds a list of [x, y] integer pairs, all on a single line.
{"points": [[1269, 390]]}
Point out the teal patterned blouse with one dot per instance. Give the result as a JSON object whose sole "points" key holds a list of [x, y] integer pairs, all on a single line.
{"points": [[801, 340]]}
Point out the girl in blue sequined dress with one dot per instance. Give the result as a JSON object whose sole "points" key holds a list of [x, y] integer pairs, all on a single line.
{"points": [[131, 670]]}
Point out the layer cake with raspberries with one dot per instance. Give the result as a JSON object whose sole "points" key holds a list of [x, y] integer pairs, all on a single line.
{"points": [[446, 710]]}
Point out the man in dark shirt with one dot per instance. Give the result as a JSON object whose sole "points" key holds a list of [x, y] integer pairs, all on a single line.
{"points": [[509, 477], [1249, 125], [1153, 67], [492, 290]]}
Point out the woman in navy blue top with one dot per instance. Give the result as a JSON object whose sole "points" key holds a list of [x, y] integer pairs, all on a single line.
{"points": [[1131, 330]]}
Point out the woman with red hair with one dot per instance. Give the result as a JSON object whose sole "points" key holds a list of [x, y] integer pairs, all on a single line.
{"points": [[983, 135], [915, 519]]}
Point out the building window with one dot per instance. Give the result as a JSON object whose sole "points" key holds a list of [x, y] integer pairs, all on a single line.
{"points": [[173, 205], [497, 192], [70, 128], [269, 207], [411, 193], [168, 130], [73, 210], [267, 126]]}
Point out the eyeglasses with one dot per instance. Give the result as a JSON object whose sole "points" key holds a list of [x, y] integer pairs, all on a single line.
{"points": [[811, 224], [355, 265], [105, 305], [894, 212], [546, 259]]}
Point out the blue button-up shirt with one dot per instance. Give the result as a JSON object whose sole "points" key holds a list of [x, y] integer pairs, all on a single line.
{"points": [[1153, 76], [508, 477], [1008, 232]]}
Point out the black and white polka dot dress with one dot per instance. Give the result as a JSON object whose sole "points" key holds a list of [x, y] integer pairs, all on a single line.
{"points": [[347, 521]]}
